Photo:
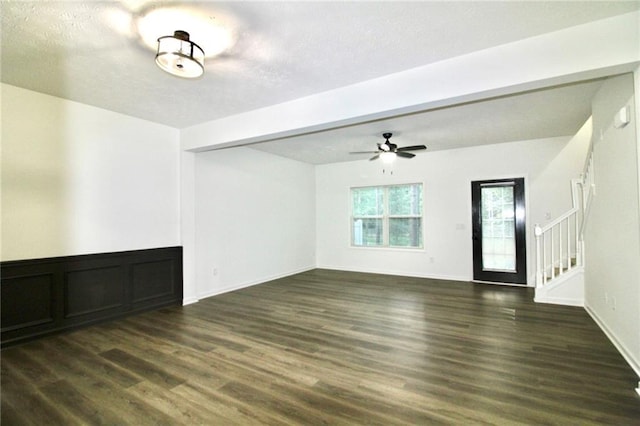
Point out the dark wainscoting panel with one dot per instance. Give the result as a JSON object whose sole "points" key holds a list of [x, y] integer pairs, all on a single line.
{"points": [[45, 296], [152, 280], [91, 291], [34, 291]]}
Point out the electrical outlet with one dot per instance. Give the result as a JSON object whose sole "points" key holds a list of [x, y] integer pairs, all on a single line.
{"points": [[215, 272], [613, 303], [431, 260]]}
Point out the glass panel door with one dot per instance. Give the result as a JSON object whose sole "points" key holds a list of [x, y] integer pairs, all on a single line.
{"points": [[499, 248]]}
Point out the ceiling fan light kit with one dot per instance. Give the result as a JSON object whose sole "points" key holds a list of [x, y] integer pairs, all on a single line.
{"points": [[388, 152], [388, 157], [180, 56]]}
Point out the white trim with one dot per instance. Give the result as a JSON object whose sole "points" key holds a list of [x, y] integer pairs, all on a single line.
{"points": [[559, 301], [254, 282], [189, 301], [636, 75], [188, 227], [397, 273], [390, 248], [626, 354], [500, 283]]}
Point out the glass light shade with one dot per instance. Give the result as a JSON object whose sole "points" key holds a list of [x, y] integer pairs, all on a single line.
{"points": [[387, 157], [180, 56]]}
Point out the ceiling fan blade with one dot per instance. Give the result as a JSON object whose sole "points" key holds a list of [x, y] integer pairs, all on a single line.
{"points": [[363, 152], [375, 157], [412, 148], [405, 154]]}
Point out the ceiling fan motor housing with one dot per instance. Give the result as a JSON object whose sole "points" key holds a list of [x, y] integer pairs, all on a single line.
{"points": [[390, 148]]}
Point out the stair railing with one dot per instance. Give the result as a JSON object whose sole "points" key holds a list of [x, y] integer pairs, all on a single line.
{"points": [[588, 189], [560, 243], [558, 247]]}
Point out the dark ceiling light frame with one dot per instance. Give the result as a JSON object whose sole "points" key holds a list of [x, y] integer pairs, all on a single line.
{"points": [[179, 56]]}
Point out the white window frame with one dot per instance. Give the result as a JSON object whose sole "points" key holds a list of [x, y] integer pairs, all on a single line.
{"points": [[386, 218]]}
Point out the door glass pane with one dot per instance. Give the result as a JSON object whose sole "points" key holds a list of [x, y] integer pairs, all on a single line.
{"points": [[498, 228]]}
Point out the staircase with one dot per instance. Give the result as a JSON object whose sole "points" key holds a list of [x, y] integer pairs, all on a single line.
{"points": [[560, 246]]}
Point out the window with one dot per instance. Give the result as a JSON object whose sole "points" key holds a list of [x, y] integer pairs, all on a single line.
{"points": [[387, 216]]}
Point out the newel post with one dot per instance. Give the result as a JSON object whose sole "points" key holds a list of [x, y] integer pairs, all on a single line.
{"points": [[538, 233]]}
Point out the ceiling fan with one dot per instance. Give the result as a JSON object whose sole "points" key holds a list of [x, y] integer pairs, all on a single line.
{"points": [[387, 151]]}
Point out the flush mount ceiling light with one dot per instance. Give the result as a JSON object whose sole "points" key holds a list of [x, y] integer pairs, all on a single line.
{"points": [[180, 56], [213, 31]]}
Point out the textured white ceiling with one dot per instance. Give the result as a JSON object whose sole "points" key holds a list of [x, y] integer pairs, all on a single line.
{"points": [[90, 52], [560, 111]]}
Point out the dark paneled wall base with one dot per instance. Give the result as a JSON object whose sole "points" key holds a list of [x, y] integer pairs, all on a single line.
{"points": [[45, 296]]}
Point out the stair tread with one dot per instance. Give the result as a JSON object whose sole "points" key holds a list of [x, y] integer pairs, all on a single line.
{"points": [[557, 271]]}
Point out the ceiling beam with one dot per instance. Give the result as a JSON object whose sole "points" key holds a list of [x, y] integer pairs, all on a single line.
{"points": [[588, 51]]}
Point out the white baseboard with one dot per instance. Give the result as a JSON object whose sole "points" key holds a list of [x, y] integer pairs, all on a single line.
{"points": [[500, 283], [189, 301], [396, 273], [251, 283], [626, 354], [559, 301]]}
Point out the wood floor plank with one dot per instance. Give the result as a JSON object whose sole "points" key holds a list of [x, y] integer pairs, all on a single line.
{"points": [[92, 362], [330, 347], [101, 385], [62, 393], [143, 368], [195, 373], [37, 374], [165, 401], [93, 339], [25, 405], [278, 406], [10, 415], [227, 411], [192, 330]]}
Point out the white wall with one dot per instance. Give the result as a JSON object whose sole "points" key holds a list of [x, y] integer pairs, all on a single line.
{"points": [[612, 240], [78, 179], [547, 165], [254, 216]]}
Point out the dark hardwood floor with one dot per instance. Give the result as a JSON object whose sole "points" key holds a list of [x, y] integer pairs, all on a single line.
{"points": [[328, 347]]}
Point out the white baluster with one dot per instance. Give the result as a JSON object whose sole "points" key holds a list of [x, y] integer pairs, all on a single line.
{"points": [[553, 257]]}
